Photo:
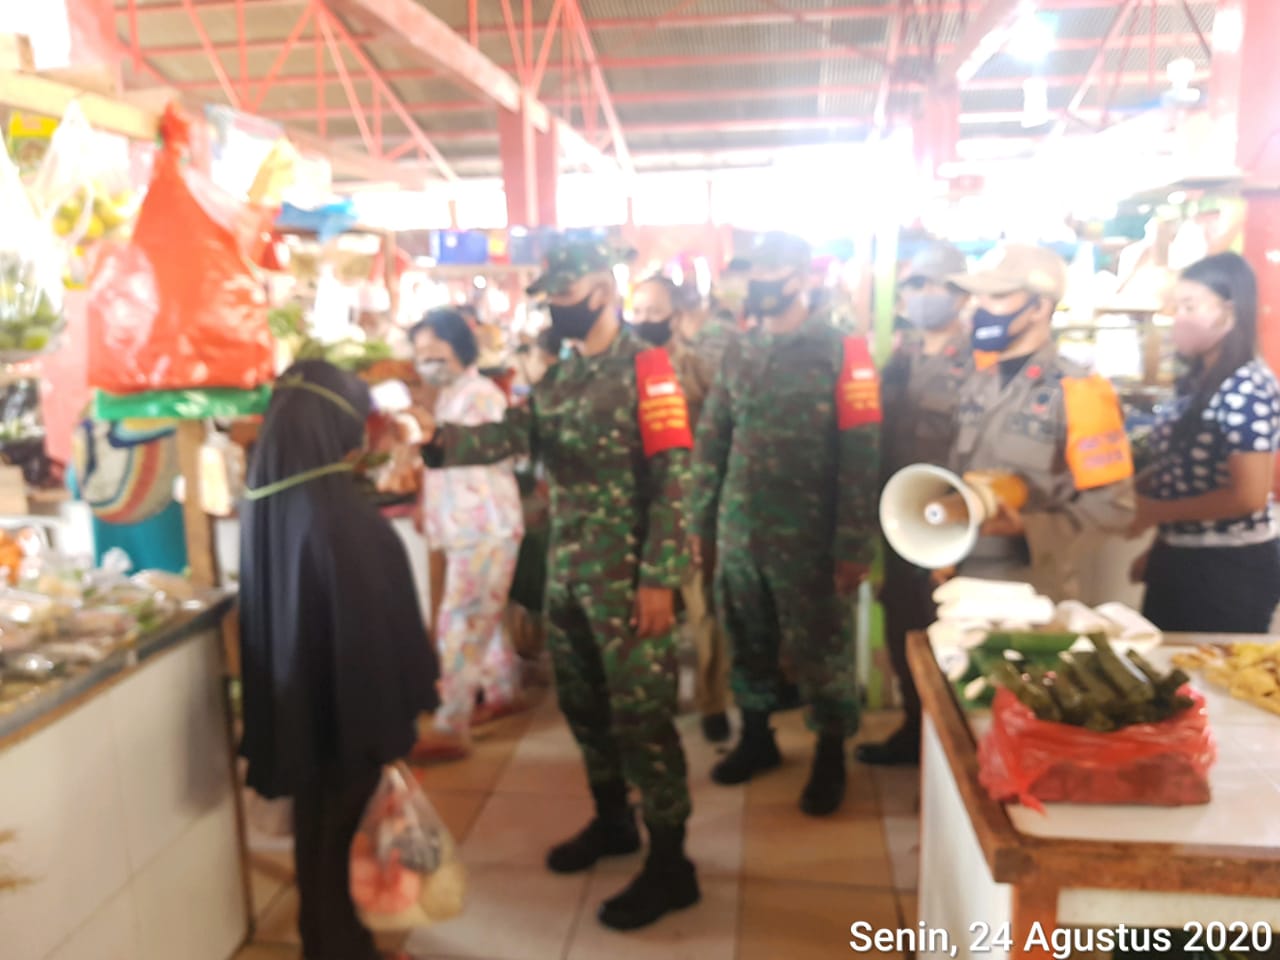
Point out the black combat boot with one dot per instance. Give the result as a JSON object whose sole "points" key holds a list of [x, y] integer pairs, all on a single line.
{"points": [[715, 727], [667, 882], [824, 792], [756, 752], [902, 749], [613, 833]]}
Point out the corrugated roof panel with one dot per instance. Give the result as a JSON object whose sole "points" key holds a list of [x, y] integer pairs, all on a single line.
{"points": [[719, 110], [747, 140], [804, 73], [748, 38], [852, 69]]}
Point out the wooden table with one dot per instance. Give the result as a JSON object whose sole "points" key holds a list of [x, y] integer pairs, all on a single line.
{"points": [[1009, 868]]}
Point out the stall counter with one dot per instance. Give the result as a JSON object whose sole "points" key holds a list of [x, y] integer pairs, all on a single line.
{"points": [[118, 791], [995, 876]]}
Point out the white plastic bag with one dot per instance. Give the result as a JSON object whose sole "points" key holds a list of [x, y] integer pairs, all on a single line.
{"points": [[404, 868], [31, 269]]}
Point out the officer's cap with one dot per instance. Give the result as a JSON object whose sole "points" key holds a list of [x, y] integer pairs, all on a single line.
{"points": [[776, 251], [937, 262], [1011, 267], [569, 261]]}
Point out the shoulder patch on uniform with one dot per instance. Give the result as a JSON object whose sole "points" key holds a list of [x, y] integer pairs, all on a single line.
{"points": [[663, 412], [1097, 449], [984, 360], [858, 388]]}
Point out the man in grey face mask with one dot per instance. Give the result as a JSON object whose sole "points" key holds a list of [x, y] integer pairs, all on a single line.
{"points": [[919, 389]]}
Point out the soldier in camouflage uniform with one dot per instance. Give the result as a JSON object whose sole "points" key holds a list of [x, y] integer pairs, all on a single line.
{"points": [[611, 428], [785, 481], [662, 315]]}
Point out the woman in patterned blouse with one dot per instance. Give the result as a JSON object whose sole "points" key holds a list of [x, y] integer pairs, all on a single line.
{"points": [[1215, 566], [475, 517]]}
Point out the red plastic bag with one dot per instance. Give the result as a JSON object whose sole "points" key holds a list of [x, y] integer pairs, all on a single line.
{"points": [[404, 870], [1152, 764], [181, 305]]}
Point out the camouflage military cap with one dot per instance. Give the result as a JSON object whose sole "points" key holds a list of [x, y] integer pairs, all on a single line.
{"points": [[569, 261], [776, 251]]}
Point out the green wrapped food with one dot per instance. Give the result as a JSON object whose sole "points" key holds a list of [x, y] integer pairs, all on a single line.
{"points": [[1132, 685], [1030, 642], [1036, 697], [1095, 689]]}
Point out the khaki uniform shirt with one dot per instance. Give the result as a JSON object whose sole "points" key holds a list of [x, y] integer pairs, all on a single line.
{"points": [[919, 394], [1023, 428]]}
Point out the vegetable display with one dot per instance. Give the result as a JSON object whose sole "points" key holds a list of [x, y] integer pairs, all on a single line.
{"points": [[289, 327], [1098, 690]]}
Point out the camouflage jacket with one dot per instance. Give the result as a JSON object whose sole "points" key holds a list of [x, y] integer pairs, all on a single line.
{"points": [[773, 474], [616, 515], [695, 374]]}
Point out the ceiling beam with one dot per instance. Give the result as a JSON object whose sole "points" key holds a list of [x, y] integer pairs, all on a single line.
{"points": [[730, 94], [748, 58], [343, 160], [466, 66], [333, 25], [1096, 68], [573, 11], [984, 34], [761, 125], [896, 29], [695, 21]]}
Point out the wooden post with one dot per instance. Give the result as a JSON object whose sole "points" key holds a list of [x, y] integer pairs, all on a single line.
{"points": [[1033, 903], [201, 559]]}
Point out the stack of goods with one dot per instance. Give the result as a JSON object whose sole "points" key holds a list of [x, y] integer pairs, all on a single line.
{"points": [[58, 619], [292, 334], [1248, 671], [1095, 727]]}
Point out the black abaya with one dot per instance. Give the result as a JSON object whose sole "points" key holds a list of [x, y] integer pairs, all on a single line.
{"points": [[336, 661]]}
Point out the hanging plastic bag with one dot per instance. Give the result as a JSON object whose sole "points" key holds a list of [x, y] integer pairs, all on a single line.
{"points": [[31, 269], [1153, 764], [404, 868], [82, 191], [181, 306]]}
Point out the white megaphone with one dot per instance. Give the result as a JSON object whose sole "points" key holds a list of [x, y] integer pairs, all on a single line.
{"points": [[932, 518]]}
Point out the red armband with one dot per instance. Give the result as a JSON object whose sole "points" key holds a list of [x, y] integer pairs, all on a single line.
{"points": [[663, 413], [858, 389]]}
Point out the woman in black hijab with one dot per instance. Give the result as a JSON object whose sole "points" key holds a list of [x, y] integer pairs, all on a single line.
{"points": [[335, 658]]}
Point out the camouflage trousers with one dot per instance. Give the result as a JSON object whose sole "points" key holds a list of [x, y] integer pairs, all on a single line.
{"points": [[618, 693], [785, 610]]}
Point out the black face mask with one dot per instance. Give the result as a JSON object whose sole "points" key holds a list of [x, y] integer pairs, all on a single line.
{"points": [[574, 321], [769, 298], [657, 333]]}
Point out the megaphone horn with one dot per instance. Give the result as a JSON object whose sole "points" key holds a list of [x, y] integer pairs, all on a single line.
{"points": [[932, 518]]}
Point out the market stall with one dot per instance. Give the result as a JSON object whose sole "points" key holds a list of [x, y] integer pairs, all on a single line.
{"points": [[1000, 877], [119, 798], [121, 815]]}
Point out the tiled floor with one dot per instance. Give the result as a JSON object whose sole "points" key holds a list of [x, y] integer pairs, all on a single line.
{"points": [[775, 884]]}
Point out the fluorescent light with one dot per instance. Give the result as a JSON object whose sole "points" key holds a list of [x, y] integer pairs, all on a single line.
{"points": [[1032, 37], [1181, 72]]}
